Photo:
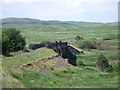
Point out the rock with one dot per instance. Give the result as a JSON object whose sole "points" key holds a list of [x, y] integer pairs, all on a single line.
{"points": [[32, 81]]}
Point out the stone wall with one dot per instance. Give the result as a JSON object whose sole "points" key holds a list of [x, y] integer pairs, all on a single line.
{"points": [[36, 46], [59, 47], [75, 51]]}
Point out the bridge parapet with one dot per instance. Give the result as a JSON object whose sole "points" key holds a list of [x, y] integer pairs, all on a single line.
{"points": [[58, 47]]}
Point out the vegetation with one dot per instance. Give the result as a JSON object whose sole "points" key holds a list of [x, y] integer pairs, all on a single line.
{"points": [[68, 79], [47, 70], [89, 44], [78, 38], [80, 63], [19, 61], [33, 23], [110, 68], [102, 62], [12, 40], [15, 64], [110, 37], [70, 56]]}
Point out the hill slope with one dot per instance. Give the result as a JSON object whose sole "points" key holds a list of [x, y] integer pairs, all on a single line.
{"points": [[44, 61], [32, 23]]}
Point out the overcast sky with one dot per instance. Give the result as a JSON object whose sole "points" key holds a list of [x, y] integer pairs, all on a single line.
{"points": [[67, 10]]}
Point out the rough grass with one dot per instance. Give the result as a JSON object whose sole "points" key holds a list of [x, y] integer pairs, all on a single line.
{"points": [[72, 79], [111, 43], [52, 64], [50, 33], [12, 65], [86, 77]]}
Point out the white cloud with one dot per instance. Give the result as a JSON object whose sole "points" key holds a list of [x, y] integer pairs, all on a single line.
{"points": [[60, 9]]}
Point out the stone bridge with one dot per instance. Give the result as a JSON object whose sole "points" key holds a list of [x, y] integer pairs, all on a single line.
{"points": [[59, 47]]}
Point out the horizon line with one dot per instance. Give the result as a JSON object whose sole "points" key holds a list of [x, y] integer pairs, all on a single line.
{"points": [[59, 20]]}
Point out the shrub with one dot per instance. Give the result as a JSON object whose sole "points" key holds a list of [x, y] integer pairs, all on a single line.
{"points": [[44, 65], [58, 74], [52, 68], [80, 63], [110, 37], [105, 75], [12, 40], [69, 71], [65, 71], [110, 68], [89, 68], [102, 62], [94, 39], [15, 75], [78, 38], [68, 68], [71, 57], [89, 45]]}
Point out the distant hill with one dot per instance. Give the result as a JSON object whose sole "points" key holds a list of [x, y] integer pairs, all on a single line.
{"points": [[35, 23]]}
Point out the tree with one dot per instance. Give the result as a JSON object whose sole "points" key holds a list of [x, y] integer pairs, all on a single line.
{"points": [[70, 56], [78, 38], [102, 62], [12, 40]]}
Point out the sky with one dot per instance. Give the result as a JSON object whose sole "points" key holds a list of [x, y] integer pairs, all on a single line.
{"points": [[64, 10]]}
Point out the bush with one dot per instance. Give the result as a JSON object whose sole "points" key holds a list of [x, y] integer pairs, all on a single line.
{"points": [[110, 68], [89, 68], [15, 75], [79, 38], [71, 57], [110, 37], [68, 68], [59, 74], [89, 45], [12, 40], [105, 75], [52, 68], [80, 63], [102, 62], [92, 45], [69, 71]]}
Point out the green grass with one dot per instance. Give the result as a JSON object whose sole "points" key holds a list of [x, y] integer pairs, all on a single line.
{"points": [[87, 76], [88, 60], [111, 37], [107, 53], [10, 63], [79, 79], [51, 33], [41, 80], [111, 43]]}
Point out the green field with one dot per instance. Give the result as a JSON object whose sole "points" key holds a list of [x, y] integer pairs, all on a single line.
{"points": [[87, 76], [52, 33], [80, 78], [11, 65]]}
